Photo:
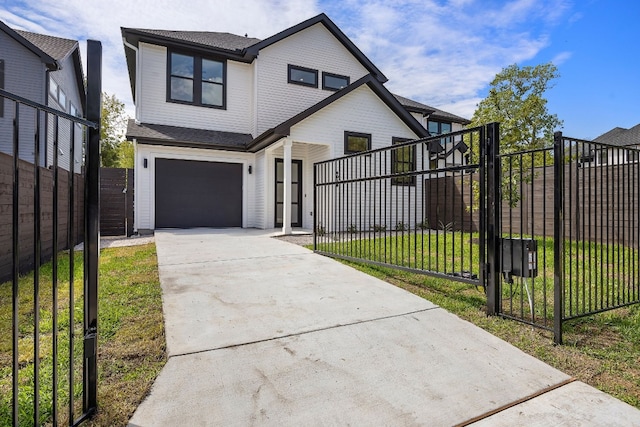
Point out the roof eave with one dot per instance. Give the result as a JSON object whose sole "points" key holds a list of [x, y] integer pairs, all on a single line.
{"points": [[50, 62]]}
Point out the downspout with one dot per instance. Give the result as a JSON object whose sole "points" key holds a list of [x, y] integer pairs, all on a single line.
{"points": [[255, 97], [46, 121], [137, 101]]}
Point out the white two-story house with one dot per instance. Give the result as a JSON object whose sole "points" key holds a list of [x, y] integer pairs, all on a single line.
{"points": [[227, 128]]}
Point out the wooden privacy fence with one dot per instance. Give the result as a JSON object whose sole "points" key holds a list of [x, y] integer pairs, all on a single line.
{"points": [[26, 215], [116, 201], [591, 193]]}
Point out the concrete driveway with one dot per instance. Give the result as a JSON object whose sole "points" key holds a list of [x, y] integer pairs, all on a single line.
{"points": [[263, 332]]}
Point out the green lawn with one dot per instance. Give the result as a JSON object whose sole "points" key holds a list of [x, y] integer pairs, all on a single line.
{"points": [[131, 342], [602, 350]]}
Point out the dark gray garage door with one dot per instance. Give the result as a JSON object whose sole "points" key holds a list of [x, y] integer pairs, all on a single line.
{"points": [[198, 194]]}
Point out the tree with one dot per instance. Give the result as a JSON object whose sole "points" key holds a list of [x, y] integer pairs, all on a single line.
{"points": [[516, 100], [113, 125]]}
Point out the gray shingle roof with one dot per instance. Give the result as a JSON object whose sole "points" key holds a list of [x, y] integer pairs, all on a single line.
{"points": [[186, 137], [56, 47], [225, 41], [621, 136], [435, 112]]}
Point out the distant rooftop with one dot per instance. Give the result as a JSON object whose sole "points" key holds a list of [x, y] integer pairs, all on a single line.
{"points": [[621, 136], [412, 105]]}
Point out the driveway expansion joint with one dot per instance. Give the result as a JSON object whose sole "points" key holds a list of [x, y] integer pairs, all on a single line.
{"points": [[191, 353], [210, 261], [516, 402]]}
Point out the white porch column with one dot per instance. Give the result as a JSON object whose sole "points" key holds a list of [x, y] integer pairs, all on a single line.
{"points": [[286, 208]]}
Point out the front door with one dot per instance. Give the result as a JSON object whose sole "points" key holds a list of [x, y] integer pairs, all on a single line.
{"points": [[296, 192]]}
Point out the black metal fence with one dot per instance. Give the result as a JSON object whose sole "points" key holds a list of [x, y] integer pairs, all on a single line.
{"points": [[395, 206], [552, 234], [48, 370]]}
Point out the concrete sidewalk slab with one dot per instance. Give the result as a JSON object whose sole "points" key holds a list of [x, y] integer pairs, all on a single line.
{"points": [[262, 332], [241, 297], [428, 368]]}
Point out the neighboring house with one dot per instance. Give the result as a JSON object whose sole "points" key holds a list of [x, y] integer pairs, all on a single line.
{"points": [[228, 127], [620, 139], [46, 70]]}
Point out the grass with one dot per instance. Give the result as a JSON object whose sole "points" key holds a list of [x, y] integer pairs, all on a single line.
{"points": [[602, 350], [131, 346]]}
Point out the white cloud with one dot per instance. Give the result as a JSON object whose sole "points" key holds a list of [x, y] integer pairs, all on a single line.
{"points": [[561, 58], [440, 53]]}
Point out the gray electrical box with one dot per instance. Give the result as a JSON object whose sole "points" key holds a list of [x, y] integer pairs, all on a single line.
{"points": [[520, 257]]}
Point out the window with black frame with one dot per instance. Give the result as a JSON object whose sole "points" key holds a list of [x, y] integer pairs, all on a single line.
{"points": [[196, 80], [302, 76], [403, 159], [356, 142]]}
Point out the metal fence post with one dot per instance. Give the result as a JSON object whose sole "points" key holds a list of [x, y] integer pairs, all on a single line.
{"points": [[558, 237], [493, 205], [92, 225]]}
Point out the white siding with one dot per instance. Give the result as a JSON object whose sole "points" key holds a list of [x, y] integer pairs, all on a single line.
{"points": [[260, 172], [66, 80], [24, 76], [362, 111], [145, 178], [154, 108], [314, 47]]}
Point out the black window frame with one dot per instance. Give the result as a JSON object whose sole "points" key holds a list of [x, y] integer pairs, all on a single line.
{"points": [[348, 134], [337, 76], [409, 181], [440, 123], [291, 67], [197, 81]]}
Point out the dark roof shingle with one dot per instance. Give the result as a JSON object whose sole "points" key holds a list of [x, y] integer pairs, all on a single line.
{"points": [[410, 104], [56, 47], [187, 137], [621, 136], [225, 41]]}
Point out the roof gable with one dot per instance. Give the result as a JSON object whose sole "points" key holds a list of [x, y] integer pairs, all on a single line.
{"points": [[323, 19], [56, 47], [283, 129], [51, 63]]}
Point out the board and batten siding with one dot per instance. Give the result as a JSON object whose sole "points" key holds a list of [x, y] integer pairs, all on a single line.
{"points": [[24, 75], [145, 178], [257, 220], [154, 108], [314, 47], [362, 111]]}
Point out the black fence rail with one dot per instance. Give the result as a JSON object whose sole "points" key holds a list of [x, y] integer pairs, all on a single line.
{"points": [[408, 206], [552, 234], [48, 370], [602, 234]]}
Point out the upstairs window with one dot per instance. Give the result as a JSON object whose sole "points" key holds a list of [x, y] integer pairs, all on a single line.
{"points": [[196, 80], [303, 76], [438, 128], [334, 81], [356, 142], [403, 159]]}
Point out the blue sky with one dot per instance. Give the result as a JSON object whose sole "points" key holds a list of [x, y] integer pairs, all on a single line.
{"points": [[442, 53]]}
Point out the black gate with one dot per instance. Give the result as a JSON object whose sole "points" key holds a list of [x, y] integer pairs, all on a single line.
{"points": [[416, 205], [552, 234], [48, 370]]}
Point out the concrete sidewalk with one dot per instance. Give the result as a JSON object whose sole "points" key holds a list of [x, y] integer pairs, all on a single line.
{"points": [[263, 332]]}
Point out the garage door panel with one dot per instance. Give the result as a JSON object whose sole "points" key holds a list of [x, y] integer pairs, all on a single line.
{"points": [[193, 193]]}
